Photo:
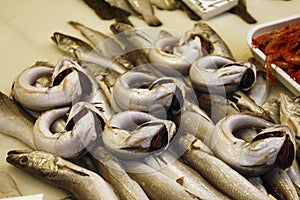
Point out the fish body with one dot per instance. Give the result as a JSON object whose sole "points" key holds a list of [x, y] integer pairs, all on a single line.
{"points": [[215, 171], [168, 164], [15, 122], [281, 183], [80, 182], [112, 170], [166, 4], [155, 184]]}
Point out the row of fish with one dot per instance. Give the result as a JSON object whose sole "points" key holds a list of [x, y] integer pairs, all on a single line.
{"points": [[132, 116], [120, 10]]}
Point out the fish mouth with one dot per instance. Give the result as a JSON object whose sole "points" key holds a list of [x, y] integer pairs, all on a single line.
{"points": [[55, 38]]}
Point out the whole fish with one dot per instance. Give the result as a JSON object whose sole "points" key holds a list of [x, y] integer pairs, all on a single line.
{"points": [[218, 47], [112, 170], [274, 145], [81, 50], [8, 186], [155, 184], [15, 122], [80, 182], [215, 171], [281, 183], [168, 164], [144, 7]]}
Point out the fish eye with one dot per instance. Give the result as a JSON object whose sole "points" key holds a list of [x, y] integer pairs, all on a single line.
{"points": [[23, 161]]}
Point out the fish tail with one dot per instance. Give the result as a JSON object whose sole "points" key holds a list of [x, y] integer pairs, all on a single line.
{"points": [[152, 20]]}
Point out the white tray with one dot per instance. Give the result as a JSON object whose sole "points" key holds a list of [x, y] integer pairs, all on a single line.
{"points": [[263, 28]]}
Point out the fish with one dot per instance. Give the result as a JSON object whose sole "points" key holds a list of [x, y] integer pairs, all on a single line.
{"points": [[289, 115], [61, 173], [220, 75], [8, 186], [247, 105], [218, 45], [176, 52], [281, 183], [83, 127], [15, 121], [144, 8], [101, 8], [134, 134], [123, 5], [273, 146], [143, 92], [170, 165], [242, 11], [272, 106], [166, 4], [113, 171], [216, 106], [188, 11], [155, 184], [231, 183], [294, 174], [258, 183], [79, 49]]}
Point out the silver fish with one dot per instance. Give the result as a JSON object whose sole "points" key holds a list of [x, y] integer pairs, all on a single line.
{"points": [[133, 134], [257, 182], [294, 174], [281, 183], [246, 104], [143, 92], [217, 45], [176, 52], [144, 7], [289, 115], [274, 145], [215, 171], [15, 122], [81, 50], [8, 186], [80, 182], [168, 164], [113, 171], [155, 184], [219, 75]]}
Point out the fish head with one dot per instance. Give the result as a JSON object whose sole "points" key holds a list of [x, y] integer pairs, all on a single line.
{"points": [[35, 162], [279, 145]]}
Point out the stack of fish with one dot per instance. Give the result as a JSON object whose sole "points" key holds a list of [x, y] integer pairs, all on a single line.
{"points": [[130, 116], [120, 10]]}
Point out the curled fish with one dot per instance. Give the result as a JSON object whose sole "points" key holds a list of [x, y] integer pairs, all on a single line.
{"points": [[144, 92], [83, 126], [231, 183], [176, 52], [274, 145], [133, 135], [80, 182], [219, 75], [15, 122]]}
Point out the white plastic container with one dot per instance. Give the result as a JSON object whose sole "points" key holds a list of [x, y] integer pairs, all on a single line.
{"points": [[263, 28]]}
